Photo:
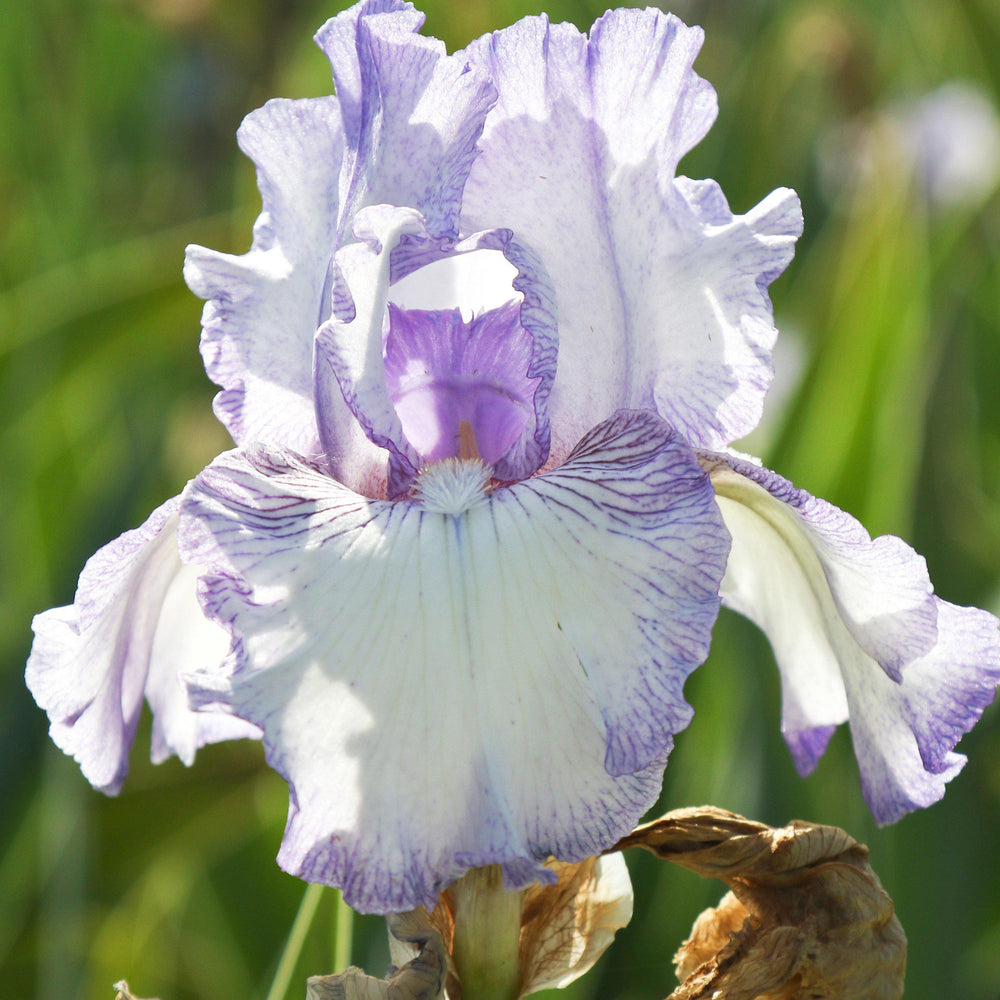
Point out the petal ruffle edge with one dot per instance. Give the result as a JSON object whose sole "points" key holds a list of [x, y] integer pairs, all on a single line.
{"points": [[451, 691], [858, 636], [657, 283], [412, 114], [134, 624], [265, 306]]}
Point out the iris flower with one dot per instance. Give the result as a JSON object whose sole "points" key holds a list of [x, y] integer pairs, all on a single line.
{"points": [[482, 367]]}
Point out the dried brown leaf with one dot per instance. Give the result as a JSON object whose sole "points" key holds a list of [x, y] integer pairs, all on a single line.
{"points": [[566, 927], [709, 935], [442, 920], [807, 918], [422, 978]]}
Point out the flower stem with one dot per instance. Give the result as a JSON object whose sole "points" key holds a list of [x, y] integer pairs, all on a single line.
{"points": [[487, 936], [296, 938], [343, 933]]}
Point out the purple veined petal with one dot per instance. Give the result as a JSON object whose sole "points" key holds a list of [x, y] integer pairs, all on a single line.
{"points": [[264, 307], [658, 285], [357, 415], [450, 690], [412, 114], [485, 338], [904, 734], [338, 38], [858, 636], [136, 614]]}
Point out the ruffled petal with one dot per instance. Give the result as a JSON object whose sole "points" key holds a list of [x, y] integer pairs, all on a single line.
{"points": [[358, 419], [446, 691], [412, 114], [186, 640], [135, 623], [403, 130], [264, 307], [658, 285], [858, 637], [904, 734]]}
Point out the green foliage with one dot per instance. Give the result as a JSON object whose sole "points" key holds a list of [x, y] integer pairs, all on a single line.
{"points": [[118, 118]]}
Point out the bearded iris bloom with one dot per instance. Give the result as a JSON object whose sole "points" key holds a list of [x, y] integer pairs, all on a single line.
{"points": [[482, 366]]}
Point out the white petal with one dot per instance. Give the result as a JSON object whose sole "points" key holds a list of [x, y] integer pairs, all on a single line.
{"points": [[658, 285], [445, 692], [185, 640], [904, 733], [475, 283], [358, 422], [858, 636], [264, 307], [134, 626], [411, 113], [781, 588]]}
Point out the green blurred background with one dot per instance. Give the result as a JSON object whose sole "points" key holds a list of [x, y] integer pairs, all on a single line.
{"points": [[117, 149]]}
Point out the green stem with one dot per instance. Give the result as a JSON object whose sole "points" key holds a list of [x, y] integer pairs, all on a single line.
{"points": [[296, 938], [343, 933], [487, 936]]}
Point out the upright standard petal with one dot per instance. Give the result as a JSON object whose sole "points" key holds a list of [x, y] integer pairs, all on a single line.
{"points": [[534, 642], [412, 114], [401, 131], [658, 285], [134, 625], [264, 307], [858, 637]]}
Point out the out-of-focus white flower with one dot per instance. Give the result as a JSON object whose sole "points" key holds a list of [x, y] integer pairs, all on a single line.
{"points": [[953, 136], [946, 141]]}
